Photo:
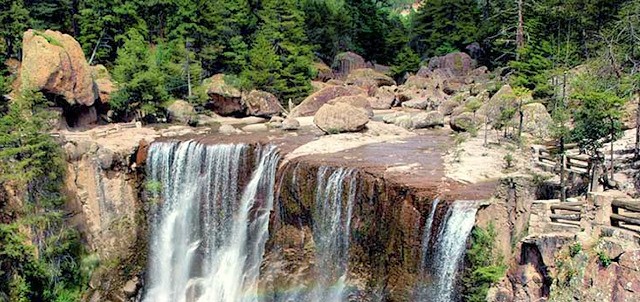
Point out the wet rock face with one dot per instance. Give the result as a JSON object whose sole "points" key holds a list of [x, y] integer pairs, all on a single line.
{"points": [[385, 241]]}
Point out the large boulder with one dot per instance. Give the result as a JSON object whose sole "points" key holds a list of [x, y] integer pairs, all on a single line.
{"points": [[359, 101], [224, 98], [501, 100], [340, 117], [181, 111], [425, 100], [464, 122], [103, 81], [427, 119], [262, 103], [459, 63], [324, 72], [290, 124], [419, 82], [345, 62], [367, 77], [383, 98], [54, 63], [536, 120], [312, 103]]}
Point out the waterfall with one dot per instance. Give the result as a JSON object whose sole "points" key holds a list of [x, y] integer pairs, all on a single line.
{"points": [[207, 233], [450, 249], [331, 229], [426, 237]]}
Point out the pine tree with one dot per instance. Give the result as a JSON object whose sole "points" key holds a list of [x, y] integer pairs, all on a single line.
{"points": [[282, 27], [13, 22], [406, 61], [441, 22], [138, 71]]}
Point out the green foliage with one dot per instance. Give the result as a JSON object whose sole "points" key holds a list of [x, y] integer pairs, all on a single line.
{"points": [[484, 264], [508, 161], [444, 25], [604, 259], [406, 61], [597, 117], [575, 249], [13, 22], [280, 59], [532, 70], [32, 163]]}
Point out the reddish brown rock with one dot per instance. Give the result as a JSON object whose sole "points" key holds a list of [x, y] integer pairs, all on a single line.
{"points": [[312, 103], [141, 153], [224, 98], [383, 98], [55, 63]]}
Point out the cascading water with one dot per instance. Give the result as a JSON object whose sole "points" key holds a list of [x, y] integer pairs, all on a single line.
{"points": [[331, 229], [426, 237], [450, 249], [208, 235]]}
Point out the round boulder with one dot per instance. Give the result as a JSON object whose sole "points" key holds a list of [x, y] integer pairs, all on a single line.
{"points": [[312, 103], [262, 103], [290, 124], [535, 120], [340, 117], [427, 120], [367, 77], [464, 122], [359, 101], [181, 111]]}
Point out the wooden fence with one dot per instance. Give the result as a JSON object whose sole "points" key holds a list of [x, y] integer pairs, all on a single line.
{"points": [[575, 163], [625, 213], [567, 212], [96, 133]]}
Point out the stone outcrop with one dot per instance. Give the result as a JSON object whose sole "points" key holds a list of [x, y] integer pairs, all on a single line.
{"points": [[224, 98], [340, 117], [262, 103], [54, 63], [312, 103], [464, 122], [383, 98], [427, 120], [536, 120], [345, 62]]}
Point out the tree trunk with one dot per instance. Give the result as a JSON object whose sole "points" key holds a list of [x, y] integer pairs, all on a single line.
{"points": [[521, 119], [563, 177], [486, 126], [519, 30], [188, 72], [612, 139], [74, 18], [637, 150]]}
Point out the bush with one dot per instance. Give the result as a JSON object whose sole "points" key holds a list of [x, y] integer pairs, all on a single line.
{"points": [[484, 265], [575, 249], [604, 259]]}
